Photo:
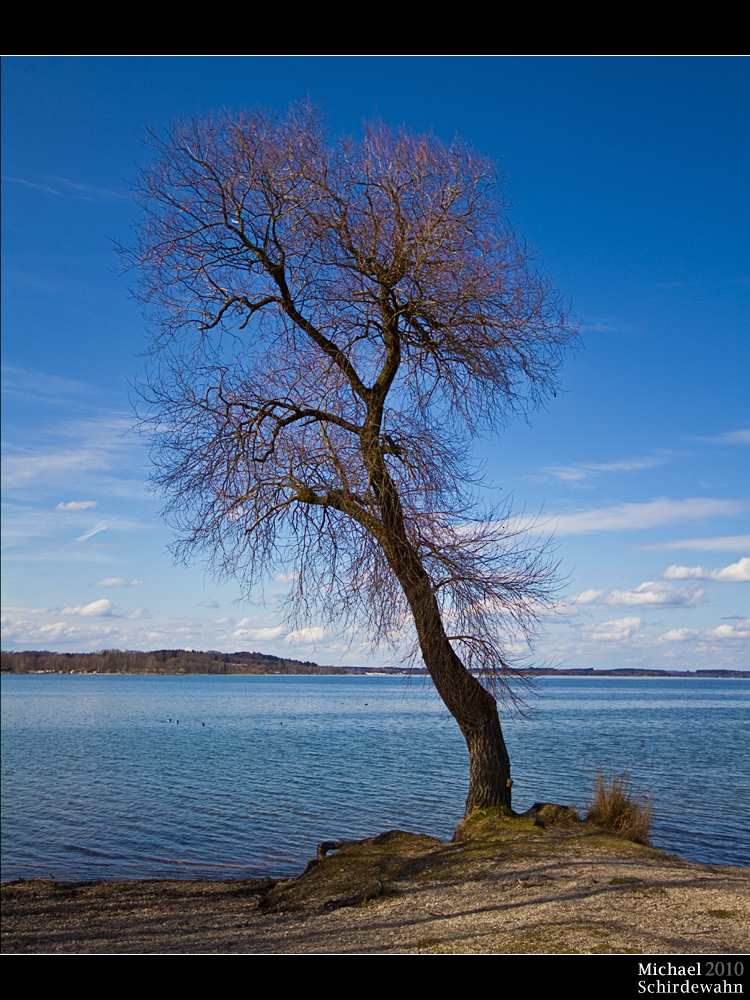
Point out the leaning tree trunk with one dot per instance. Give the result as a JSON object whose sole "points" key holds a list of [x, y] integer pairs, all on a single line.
{"points": [[475, 711], [470, 704]]}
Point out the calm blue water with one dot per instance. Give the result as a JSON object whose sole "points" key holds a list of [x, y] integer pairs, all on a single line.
{"points": [[98, 784]]}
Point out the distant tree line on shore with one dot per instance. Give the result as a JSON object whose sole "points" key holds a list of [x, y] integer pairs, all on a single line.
{"points": [[160, 661], [188, 661]]}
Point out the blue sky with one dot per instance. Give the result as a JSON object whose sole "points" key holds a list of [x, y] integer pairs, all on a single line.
{"points": [[628, 178]]}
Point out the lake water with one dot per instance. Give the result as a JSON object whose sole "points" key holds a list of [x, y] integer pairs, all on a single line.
{"points": [[97, 783]]}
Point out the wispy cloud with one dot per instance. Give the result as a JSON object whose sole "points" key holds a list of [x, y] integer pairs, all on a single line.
{"points": [[22, 469], [31, 384], [76, 456], [115, 581], [64, 187], [580, 471], [722, 543], [607, 325], [72, 448], [741, 436], [100, 526], [641, 516]]}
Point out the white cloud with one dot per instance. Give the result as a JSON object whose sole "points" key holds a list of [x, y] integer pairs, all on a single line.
{"points": [[724, 543], [641, 516], [721, 632], [80, 629], [96, 608], [679, 634], [305, 635], [56, 631], [258, 633], [612, 631], [738, 572], [656, 594], [26, 632], [729, 632], [115, 581], [208, 602], [588, 597], [77, 505], [652, 593]]}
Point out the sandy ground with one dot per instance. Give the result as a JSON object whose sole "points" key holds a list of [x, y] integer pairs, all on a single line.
{"points": [[562, 892]]}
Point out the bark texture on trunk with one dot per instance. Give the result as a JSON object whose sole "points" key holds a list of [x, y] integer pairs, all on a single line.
{"points": [[489, 765]]}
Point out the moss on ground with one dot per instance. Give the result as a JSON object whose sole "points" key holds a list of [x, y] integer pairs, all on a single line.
{"points": [[397, 861]]}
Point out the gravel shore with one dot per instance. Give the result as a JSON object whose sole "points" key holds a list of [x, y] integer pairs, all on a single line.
{"points": [[503, 887]]}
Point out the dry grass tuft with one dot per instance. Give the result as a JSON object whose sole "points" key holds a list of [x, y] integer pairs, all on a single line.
{"points": [[616, 808]]}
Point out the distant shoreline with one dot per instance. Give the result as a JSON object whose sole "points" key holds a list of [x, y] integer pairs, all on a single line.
{"points": [[385, 672], [175, 662]]}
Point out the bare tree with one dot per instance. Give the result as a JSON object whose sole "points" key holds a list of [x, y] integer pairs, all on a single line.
{"points": [[333, 323]]}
